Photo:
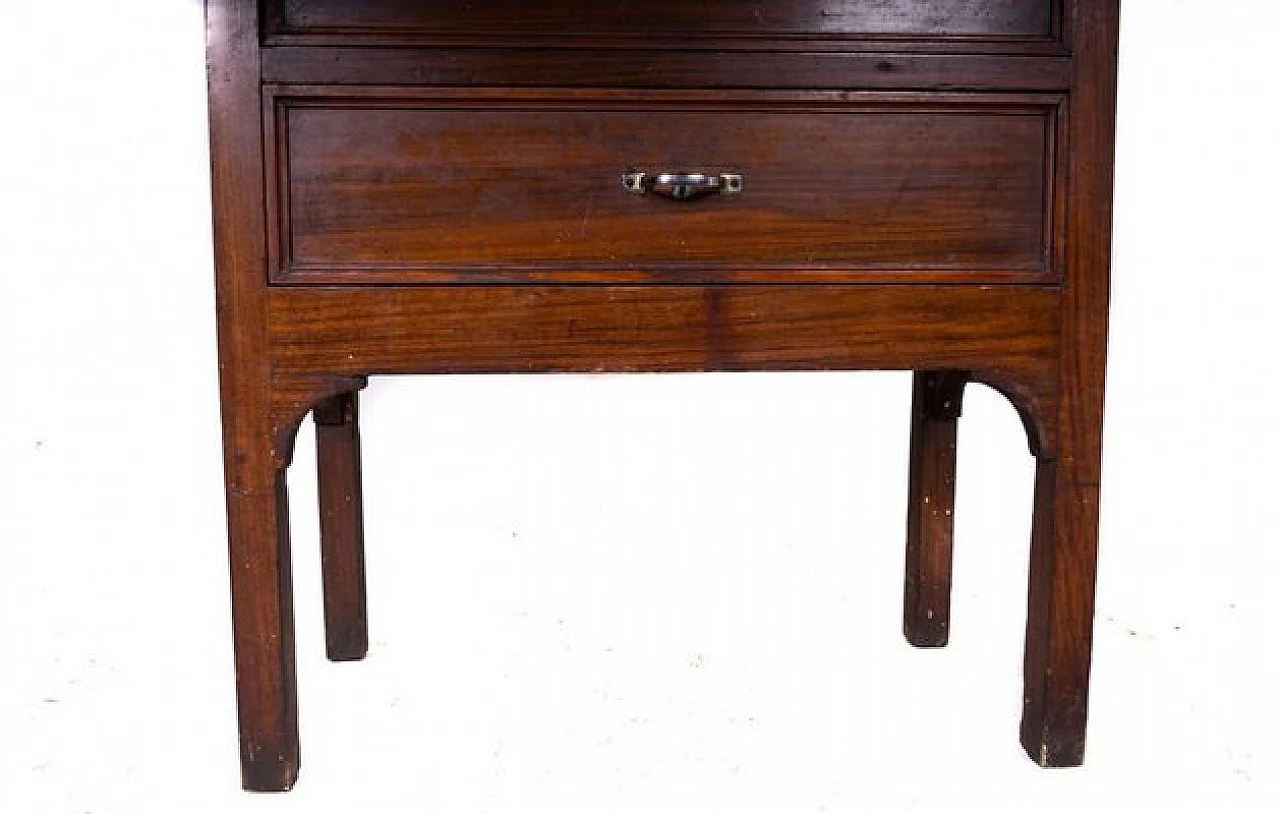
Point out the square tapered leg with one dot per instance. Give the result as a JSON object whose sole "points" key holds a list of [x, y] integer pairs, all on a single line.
{"points": [[341, 527], [935, 413]]}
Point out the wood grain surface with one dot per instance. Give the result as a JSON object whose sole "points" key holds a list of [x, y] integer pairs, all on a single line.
{"points": [[936, 398], [882, 66], [584, 18], [380, 188], [408, 188]]}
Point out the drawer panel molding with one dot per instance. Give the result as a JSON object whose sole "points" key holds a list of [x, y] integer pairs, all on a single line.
{"points": [[428, 186]]}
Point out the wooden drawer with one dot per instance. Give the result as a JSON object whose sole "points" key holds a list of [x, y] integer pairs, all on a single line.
{"points": [[639, 21], [391, 186]]}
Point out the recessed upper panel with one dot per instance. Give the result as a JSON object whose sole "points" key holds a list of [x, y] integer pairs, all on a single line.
{"points": [[996, 19]]}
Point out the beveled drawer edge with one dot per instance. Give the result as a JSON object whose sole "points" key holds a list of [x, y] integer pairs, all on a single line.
{"points": [[328, 95], [381, 275]]}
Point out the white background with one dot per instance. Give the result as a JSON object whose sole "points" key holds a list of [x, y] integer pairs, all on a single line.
{"points": [[623, 594]]}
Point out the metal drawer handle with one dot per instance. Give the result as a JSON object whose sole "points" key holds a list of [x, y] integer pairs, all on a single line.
{"points": [[682, 186]]}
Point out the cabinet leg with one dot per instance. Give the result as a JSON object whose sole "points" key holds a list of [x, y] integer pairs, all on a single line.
{"points": [[262, 613], [935, 411], [1060, 610], [341, 527]]}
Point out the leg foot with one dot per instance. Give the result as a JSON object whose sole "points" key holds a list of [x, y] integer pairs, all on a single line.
{"points": [[1060, 613], [341, 527], [935, 410], [262, 617]]}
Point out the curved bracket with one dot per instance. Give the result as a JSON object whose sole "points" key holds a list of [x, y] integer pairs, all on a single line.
{"points": [[1036, 406], [293, 396]]}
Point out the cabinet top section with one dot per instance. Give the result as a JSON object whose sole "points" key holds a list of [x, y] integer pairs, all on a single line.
{"points": [[1034, 26]]}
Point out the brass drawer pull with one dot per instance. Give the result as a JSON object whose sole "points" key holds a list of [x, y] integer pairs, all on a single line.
{"points": [[682, 186]]}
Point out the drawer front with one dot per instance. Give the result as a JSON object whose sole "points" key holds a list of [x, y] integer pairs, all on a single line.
{"points": [[921, 188], [1020, 19]]}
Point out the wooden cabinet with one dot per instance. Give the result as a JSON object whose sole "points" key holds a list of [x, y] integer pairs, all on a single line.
{"points": [[404, 187]]}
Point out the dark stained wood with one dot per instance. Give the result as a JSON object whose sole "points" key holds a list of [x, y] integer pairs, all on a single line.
{"points": [[257, 504], [931, 490], [409, 189], [341, 527], [1025, 19], [883, 67], [1006, 331], [1064, 546], [928, 188]]}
